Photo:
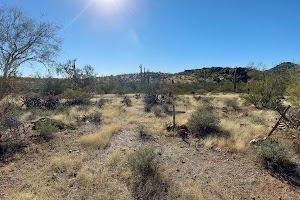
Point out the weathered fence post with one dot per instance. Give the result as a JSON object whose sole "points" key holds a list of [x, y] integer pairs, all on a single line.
{"points": [[278, 122]]}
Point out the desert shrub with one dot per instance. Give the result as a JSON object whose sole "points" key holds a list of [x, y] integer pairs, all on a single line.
{"points": [[231, 103], [76, 97], [32, 101], [96, 117], [141, 128], [275, 159], [53, 86], [143, 162], [202, 92], [10, 143], [102, 102], [157, 111], [266, 90], [50, 102], [150, 100], [61, 108], [9, 114], [165, 108], [148, 181], [49, 127], [127, 101], [10, 140], [204, 121]]}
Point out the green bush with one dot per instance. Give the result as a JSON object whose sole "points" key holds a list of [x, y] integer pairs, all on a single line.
{"points": [[266, 90], [53, 86], [204, 121], [143, 162], [76, 97], [49, 127], [60, 108]]}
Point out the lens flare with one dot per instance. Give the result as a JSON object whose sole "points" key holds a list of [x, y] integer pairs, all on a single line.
{"points": [[109, 8]]}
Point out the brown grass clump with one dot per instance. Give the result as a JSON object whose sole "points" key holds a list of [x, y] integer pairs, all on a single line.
{"points": [[100, 139]]}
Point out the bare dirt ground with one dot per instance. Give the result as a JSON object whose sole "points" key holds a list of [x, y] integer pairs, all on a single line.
{"points": [[221, 174]]}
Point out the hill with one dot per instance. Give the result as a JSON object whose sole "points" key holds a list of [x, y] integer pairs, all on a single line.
{"points": [[283, 66]]}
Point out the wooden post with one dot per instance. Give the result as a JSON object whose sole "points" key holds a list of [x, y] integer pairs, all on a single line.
{"points": [[174, 123], [278, 122]]}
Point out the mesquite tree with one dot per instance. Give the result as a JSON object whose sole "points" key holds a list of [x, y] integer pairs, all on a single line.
{"points": [[24, 40]]}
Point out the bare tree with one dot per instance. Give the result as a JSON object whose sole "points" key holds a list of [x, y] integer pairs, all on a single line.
{"points": [[25, 40]]}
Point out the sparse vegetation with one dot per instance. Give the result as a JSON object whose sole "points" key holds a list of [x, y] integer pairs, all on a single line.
{"points": [[100, 139], [67, 133], [275, 159], [232, 103]]}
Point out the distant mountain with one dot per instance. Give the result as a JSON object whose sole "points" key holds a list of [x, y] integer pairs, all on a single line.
{"points": [[212, 74], [283, 66]]}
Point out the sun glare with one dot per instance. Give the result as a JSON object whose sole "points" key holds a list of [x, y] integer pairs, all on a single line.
{"points": [[111, 7]]}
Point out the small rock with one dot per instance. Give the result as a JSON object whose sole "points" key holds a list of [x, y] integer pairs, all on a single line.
{"points": [[177, 170], [70, 151], [77, 151], [182, 161]]}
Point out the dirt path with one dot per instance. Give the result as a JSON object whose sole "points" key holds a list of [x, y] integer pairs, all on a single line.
{"points": [[223, 175]]}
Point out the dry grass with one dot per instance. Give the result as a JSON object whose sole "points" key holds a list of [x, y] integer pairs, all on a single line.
{"points": [[100, 139], [239, 137]]}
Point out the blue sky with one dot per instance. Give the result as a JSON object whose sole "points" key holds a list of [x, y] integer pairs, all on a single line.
{"points": [[116, 36]]}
